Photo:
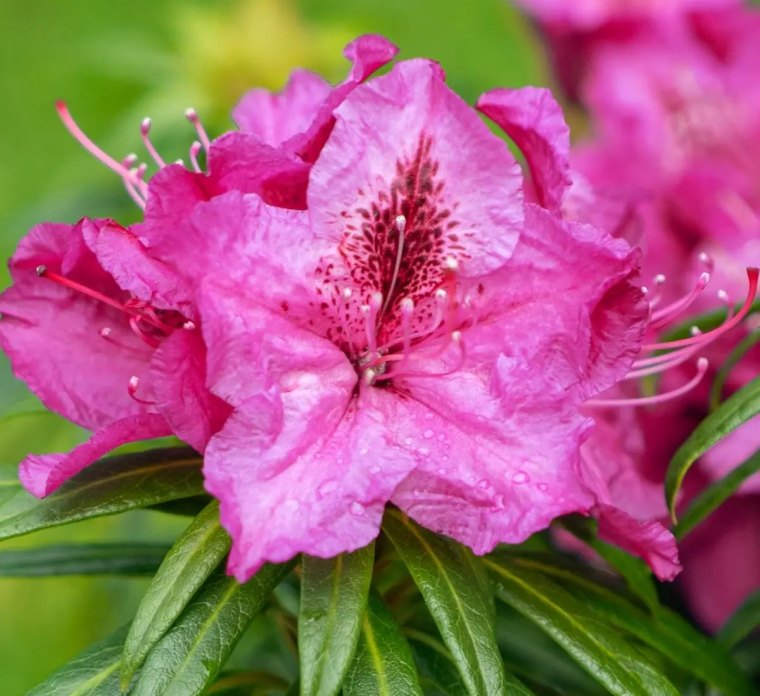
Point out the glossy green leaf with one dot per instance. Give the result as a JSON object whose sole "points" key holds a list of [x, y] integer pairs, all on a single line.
{"points": [[333, 602], [113, 558], [112, 485], [742, 622], [737, 409], [93, 673], [666, 632], [598, 648], [437, 670], [459, 598], [191, 560], [383, 664], [191, 655], [734, 357], [247, 683], [715, 495]]}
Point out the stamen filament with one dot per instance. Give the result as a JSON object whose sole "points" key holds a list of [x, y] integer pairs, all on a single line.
{"points": [[192, 116], [145, 133], [195, 148], [664, 315], [400, 227], [43, 272]]}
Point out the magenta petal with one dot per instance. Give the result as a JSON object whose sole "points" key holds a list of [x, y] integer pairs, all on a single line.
{"points": [[368, 53], [178, 368], [43, 474], [647, 539], [407, 128], [275, 117], [533, 119]]}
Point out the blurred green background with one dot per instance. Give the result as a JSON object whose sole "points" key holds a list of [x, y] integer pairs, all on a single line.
{"points": [[115, 63]]}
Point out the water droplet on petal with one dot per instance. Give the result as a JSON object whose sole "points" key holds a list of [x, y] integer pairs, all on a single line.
{"points": [[428, 434], [520, 477], [542, 487], [483, 483], [441, 471], [417, 492], [441, 437], [356, 508], [408, 441]]}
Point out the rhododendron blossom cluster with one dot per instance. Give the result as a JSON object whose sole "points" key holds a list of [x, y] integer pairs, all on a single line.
{"points": [[674, 108], [360, 299]]}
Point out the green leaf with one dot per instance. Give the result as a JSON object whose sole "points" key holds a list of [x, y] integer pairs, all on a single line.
{"points": [[191, 560], [715, 495], [383, 665], [437, 669], [636, 572], [459, 598], [113, 558], [734, 357], [112, 485], [93, 673], [247, 683], [737, 409], [333, 602], [190, 656], [742, 622], [665, 631], [600, 650]]}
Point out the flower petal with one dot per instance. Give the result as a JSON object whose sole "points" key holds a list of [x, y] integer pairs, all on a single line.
{"points": [[275, 117], [404, 143], [533, 119], [43, 474], [368, 53]]}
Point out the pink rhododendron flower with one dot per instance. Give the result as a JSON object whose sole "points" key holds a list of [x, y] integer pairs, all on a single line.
{"points": [[121, 365], [424, 338]]}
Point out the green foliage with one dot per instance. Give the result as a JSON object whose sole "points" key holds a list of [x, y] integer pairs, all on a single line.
{"points": [[333, 603], [733, 412]]}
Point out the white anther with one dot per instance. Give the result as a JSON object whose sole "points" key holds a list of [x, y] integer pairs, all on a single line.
{"points": [[346, 293], [145, 125], [456, 336], [704, 279], [704, 258], [451, 263], [130, 159], [180, 161], [406, 305], [191, 114], [134, 382], [722, 295], [441, 294], [369, 377], [644, 290], [188, 325], [660, 278], [40, 270], [695, 331], [703, 364], [376, 300], [105, 332], [400, 223]]}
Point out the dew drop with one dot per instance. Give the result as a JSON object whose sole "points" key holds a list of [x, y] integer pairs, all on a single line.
{"points": [[483, 483], [408, 441], [428, 434], [356, 508], [542, 487], [441, 437], [520, 477], [417, 492], [441, 471]]}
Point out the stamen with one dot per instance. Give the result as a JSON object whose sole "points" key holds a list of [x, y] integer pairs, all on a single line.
{"points": [[370, 323], [195, 148], [400, 227], [132, 386], [94, 150], [105, 332], [43, 272], [656, 295], [407, 312], [134, 194], [345, 296], [729, 323], [144, 132], [189, 325], [456, 338], [192, 116], [664, 315], [702, 365]]}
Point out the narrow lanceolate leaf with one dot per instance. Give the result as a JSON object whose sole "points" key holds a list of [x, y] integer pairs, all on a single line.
{"points": [[666, 632], [742, 622], [94, 673], [597, 647], [737, 409], [190, 656], [83, 559], [383, 665], [715, 495], [734, 357], [186, 567], [459, 598], [112, 485], [333, 602]]}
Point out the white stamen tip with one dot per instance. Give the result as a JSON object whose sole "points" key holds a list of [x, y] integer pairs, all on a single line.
{"points": [[145, 125], [400, 223], [188, 325], [134, 382], [704, 279], [441, 294], [376, 300], [703, 364], [722, 295], [644, 290], [180, 161], [451, 263], [695, 331], [364, 309], [456, 336], [41, 270], [659, 278], [130, 159], [346, 292], [105, 332], [407, 305], [191, 114], [369, 376], [704, 258], [195, 148]]}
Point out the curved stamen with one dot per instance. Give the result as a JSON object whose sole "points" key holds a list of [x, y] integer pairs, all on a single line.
{"points": [[132, 386], [192, 116], [400, 225], [456, 338], [43, 272], [752, 277], [664, 315], [370, 322], [94, 150], [195, 148], [145, 133], [702, 365]]}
